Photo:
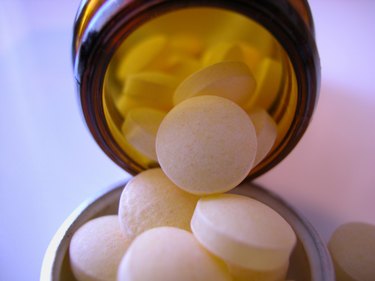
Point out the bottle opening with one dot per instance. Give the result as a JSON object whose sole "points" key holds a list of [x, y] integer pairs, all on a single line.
{"points": [[143, 75]]}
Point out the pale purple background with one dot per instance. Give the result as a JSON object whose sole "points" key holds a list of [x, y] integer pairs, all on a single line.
{"points": [[49, 162]]}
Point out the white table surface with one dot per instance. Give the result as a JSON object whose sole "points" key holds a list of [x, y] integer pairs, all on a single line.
{"points": [[49, 162]]}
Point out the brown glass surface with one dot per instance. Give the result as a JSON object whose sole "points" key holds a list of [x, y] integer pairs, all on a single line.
{"points": [[96, 44]]}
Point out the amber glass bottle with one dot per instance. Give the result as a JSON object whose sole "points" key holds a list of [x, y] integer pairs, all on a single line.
{"points": [[280, 30]]}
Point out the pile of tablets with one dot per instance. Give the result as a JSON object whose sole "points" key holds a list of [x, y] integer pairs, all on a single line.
{"points": [[177, 222]]}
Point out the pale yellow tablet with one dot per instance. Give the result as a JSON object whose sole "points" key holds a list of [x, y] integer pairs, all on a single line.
{"points": [[224, 51], [142, 56], [147, 89], [243, 232], [97, 248], [186, 43], [150, 199], [266, 130], [170, 254], [352, 247], [206, 145], [233, 51], [140, 128], [265, 93], [230, 79], [181, 66], [252, 56]]}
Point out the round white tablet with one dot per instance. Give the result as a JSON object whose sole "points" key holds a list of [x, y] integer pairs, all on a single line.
{"points": [[150, 199], [206, 145], [170, 254], [352, 247], [243, 232], [97, 248]]}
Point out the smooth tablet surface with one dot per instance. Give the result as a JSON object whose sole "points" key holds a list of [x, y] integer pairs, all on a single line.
{"points": [[352, 247], [150, 199], [142, 56], [251, 55], [265, 92], [140, 128], [181, 65], [147, 89], [243, 232], [266, 130], [97, 248], [186, 43], [225, 51], [229, 79], [206, 145], [233, 51], [170, 254]]}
